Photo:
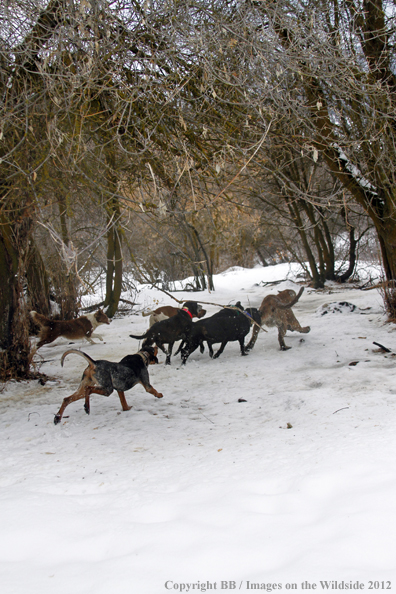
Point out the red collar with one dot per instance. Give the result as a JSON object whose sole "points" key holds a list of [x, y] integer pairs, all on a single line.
{"points": [[187, 311]]}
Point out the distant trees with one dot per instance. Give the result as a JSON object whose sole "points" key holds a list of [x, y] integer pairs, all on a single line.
{"points": [[89, 95], [326, 70]]}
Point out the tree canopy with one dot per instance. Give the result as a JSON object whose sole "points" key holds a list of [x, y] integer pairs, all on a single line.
{"points": [[181, 116]]}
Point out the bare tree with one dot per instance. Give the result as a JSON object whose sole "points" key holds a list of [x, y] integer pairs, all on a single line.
{"points": [[182, 103]]}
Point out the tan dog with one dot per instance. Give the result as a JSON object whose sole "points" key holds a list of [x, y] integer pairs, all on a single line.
{"points": [[165, 312], [275, 310], [81, 327]]}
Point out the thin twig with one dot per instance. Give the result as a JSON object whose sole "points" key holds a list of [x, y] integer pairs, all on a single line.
{"points": [[207, 418], [336, 411], [245, 165]]}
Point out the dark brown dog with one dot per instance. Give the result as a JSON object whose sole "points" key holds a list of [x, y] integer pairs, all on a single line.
{"points": [[171, 330], [275, 310], [82, 327], [166, 311], [227, 325], [102, 377]]}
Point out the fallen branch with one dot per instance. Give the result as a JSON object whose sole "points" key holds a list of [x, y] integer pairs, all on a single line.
{"points": [[202, 302], [343, 408], [272, 283], [382, 285], [382, 347], [90, 308]]}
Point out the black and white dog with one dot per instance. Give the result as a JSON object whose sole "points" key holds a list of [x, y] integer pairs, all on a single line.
{"points": [[102, 377]]}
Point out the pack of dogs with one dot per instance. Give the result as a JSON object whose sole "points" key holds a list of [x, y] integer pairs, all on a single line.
{"points": [[167, 326]]}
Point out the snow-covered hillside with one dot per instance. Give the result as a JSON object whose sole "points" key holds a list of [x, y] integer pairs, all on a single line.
{"points": [[295, 484]]}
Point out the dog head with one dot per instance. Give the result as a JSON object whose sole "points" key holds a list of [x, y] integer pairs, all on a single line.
{"points": [[254, 314], [286, 295], [152, 353], [101, 317], [195, 309]]}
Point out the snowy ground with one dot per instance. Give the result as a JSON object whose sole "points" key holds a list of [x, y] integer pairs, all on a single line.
{"points": [[197, 490]]}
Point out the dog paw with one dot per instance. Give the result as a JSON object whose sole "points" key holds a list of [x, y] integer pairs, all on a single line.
{"points": [[57, 419], [158, 395]]}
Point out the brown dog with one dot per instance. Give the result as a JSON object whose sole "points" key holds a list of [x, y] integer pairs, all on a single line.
{"points": [[103, 377], [164, 312], [161, 313], [81, 327], [172, 329], [275, 310]]}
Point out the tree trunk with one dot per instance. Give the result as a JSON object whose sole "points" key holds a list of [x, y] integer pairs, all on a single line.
{"points": [[114, 271], [14, 326], [377, 197], [37, 282], [352, 256], [323, 242], [318, 282]]}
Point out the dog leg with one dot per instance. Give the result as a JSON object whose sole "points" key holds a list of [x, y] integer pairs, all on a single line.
{"points": [[281, 335], [83, 392], [189, 347], [97, 336], [253, 339], [169, 353], [184, 355], [152, 390], [298, 328], [159, 345], [210, 348], [242, 345], [221, 349], [94, 390], [123, 401], [180, 347]]}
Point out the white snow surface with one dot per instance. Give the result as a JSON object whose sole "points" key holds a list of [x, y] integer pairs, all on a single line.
{"points": [[198, 490]]}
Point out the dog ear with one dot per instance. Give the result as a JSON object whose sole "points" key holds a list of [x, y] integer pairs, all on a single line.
{"points": [[152, 351], [153, 355]]}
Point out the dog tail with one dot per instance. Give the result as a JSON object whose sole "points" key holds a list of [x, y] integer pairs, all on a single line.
{"points": [[293, 301], [138, 337], [81, 353], [39, 319]]}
